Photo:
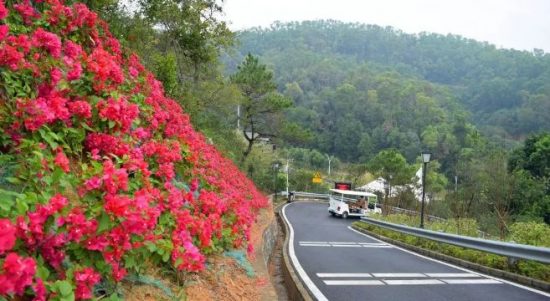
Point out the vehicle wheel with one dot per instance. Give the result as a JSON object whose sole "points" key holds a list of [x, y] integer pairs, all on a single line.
{"points": [[332, 213], [344, 215]]}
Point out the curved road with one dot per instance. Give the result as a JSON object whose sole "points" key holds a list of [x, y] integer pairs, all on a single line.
{"points": [[338, 263]]}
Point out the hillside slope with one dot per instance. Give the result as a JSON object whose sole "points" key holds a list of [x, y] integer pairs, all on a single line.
{"points": [[506, 91], [102, 175]]}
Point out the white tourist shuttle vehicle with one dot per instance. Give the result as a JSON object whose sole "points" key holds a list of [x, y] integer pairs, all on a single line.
{"points": [[346, 203]]}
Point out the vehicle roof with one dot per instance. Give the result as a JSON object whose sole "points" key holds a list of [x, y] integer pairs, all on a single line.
{"points": [[353, 192]]}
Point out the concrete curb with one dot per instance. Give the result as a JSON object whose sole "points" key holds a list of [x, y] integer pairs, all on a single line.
{"points": [[534, 283], [295, 287]]}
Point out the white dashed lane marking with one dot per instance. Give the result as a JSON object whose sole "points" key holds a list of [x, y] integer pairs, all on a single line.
{"points": [[471, 281], [353, 282], [343, 244], [398, 275], [343, 275], [413, 282], [453, 275], [394, 278]]}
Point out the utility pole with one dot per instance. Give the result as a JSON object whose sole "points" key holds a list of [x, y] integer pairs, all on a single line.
{"points": [[329, 159], [238, 117], [287, 169], [456, 184]]}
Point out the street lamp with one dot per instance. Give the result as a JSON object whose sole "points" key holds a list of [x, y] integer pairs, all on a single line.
{"points": [[425, 160]]}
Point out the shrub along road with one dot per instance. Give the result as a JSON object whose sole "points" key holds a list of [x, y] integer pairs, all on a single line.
{"points": [[338, 263]]}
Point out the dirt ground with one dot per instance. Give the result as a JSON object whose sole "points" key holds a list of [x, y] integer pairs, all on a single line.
{"points": [[226, 280], [223, 279]]}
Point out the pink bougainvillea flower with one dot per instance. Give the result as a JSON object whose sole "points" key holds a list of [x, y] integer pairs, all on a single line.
{"points": [[139, 172], [26, 11], [48, 41], [39, 290], [18, 274], [80, 108], [4, 30], [61, 160], [85, 281], [7, 235], [3, 10]]}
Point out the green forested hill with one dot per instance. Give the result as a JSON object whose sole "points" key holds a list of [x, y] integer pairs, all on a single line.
{"points": [[386, 88]]}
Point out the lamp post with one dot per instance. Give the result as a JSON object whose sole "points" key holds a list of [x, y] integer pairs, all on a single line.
{"points": [[425, 160]]}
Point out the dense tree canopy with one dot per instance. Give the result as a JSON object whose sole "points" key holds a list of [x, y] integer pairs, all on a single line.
{"points": [[506, 91]]}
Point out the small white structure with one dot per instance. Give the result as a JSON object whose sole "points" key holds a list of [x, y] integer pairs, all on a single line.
{"points": [[415, 186], [373, 186]]}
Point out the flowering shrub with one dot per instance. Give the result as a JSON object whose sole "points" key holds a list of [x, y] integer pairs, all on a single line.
{"points": [[103, 171]]}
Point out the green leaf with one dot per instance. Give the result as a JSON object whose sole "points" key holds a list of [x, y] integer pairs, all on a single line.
{"points": [[151, 246], [13, 180], [69, 297], [104, 222], [21, 206], [5, 205], [54, 136], [65, 288], [48, 138], [166, 257], [43, 272], [84, 125], [111, 124]]}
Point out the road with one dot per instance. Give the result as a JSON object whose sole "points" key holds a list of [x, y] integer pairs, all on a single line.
{"points": [[337, 263]]}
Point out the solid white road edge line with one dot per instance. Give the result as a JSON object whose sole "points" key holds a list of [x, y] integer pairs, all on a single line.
{"points": [[347, 246], [454, 266], [301, 272]]}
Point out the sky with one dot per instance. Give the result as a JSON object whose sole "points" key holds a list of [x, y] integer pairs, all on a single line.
{"points": [[518, 24]]}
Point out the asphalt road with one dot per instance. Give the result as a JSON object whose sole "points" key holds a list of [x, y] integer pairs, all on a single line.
{"points": [[337, 263]]}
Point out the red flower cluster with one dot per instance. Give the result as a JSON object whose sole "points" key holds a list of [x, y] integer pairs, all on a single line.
{"points": [[18, 273], [115, 173], [85, 281], [7, 235]]}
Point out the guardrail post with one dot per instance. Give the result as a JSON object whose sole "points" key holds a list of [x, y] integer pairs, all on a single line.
{"points": [[513, 263]]}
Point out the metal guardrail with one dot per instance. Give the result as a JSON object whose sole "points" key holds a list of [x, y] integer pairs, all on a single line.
{"points": [[510, 250], [310, 195], [415, 213]]}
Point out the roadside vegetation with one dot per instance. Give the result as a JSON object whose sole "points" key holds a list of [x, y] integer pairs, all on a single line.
{"points": [[527, 268]]}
